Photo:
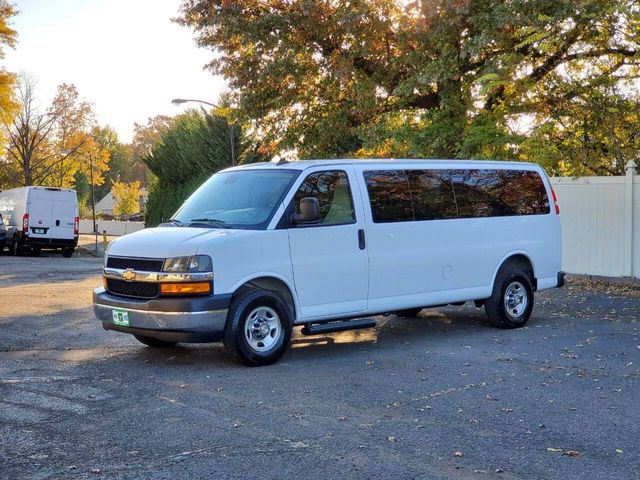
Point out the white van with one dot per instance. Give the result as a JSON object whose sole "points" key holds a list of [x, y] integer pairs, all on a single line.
{"points": [[260, 248], [40, 218]]}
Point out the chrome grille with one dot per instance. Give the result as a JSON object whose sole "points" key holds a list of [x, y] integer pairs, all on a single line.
{"points": [[139, 264]]}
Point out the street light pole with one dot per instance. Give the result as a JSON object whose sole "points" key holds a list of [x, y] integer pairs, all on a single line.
{"points": [[178, 101], [93, 201]]}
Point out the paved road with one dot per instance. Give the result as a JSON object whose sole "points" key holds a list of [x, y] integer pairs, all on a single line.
{"points": [[441, 396]]}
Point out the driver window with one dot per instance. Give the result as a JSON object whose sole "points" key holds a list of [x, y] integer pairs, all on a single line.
{"points": [[332, 190]]}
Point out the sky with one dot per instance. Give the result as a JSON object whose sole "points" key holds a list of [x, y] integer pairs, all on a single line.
{"points": [[126, 57]]}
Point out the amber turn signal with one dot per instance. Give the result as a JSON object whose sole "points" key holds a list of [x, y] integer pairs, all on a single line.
{"points": [[185, 288]]}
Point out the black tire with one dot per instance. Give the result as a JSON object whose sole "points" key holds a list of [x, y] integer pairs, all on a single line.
{"points": [[67, 252], [2, 245], [408, 313], [16, 247], [514, 283], [154, 342], [237, 336]]}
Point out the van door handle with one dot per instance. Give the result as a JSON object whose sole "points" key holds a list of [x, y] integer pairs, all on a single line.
{"points": [[361, 240], [57, 223]]}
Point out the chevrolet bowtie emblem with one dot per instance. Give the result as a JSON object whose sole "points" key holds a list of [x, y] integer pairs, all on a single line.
{"points": [[129, 274]]}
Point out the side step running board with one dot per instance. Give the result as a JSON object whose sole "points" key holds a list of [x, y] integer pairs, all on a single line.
{"points": [[337, 326]]}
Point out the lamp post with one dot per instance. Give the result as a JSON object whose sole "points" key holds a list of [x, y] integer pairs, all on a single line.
{"points": [[93, 202], [178, 101]]}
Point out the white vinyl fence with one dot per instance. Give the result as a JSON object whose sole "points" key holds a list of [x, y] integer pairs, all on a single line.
{"points": [[112, 227], [600, 219]]}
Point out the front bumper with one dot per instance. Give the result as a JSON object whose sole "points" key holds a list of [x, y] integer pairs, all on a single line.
{"points": [[185, 320]]}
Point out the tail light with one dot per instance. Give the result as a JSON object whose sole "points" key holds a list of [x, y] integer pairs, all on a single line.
{"points": [[76, 226], [25, 223], [555, 201]]}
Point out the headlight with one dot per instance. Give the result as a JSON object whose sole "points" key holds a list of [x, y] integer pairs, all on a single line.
{"points": [[195, 263]]}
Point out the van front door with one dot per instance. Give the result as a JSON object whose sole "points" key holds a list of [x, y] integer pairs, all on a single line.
{"points": [[329, 257]]}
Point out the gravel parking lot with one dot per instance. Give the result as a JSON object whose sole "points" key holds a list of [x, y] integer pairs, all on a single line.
{"points": [[440, 396]]}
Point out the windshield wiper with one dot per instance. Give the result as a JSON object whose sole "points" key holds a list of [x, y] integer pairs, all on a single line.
{"points": [[175, 222], [209, 221]]}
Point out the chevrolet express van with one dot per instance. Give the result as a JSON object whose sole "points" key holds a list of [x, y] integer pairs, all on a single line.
{"points": [[261, 248], [40, 218]]}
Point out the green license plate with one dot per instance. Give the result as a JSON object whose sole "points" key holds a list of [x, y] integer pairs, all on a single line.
{"points": [[120, 317]]}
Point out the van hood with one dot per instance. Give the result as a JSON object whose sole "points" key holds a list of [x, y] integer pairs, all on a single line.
{"points": [[164, 242]]}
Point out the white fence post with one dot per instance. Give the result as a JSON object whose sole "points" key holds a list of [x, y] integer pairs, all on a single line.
{"points": [[628, 218]]}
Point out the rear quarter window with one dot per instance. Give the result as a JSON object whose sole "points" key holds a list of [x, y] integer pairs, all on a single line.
{"points": [[499, 193]]}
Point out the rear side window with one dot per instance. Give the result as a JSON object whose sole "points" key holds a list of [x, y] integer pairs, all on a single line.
{"points": [[332, 190], [407, 195], [432, 194], [498, 193], [390, 196]]}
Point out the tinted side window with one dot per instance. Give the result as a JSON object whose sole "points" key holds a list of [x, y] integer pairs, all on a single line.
{"points": [[498, 193], [432, 194], [332, 190], [527, 193], [390, 196]]}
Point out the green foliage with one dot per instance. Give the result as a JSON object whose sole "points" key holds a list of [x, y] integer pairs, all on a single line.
{"points": [[188, 152], [430, 78]]}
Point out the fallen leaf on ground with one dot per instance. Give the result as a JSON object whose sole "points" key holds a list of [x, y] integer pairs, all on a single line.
{"points": [[553, 449], [571, 453], [458, 454]]}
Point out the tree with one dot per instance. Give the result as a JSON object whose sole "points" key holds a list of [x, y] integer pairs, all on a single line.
{"points": [[431, 78], [185, 154], [127, 198], [121, 162], [49, 148], [8, 38]]}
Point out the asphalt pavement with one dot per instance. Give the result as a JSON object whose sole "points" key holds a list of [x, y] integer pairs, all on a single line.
{"points": [[440, 396]]}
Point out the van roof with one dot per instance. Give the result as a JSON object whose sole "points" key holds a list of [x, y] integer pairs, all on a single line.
{"points": [[38, 187], [379, 162]]}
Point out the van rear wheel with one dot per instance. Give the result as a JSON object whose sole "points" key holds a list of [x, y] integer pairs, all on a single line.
{"points": [[511, 302], [16, 248], [67, 252], [258, 328]]}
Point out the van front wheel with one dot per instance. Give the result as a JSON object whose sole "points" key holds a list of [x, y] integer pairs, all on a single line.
{"points": [[258, 328], [511, 302]]}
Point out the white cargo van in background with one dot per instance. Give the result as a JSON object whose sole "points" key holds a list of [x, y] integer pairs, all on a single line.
{"points": [[40, 218]]}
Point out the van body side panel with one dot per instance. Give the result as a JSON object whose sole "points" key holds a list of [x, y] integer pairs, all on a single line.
{"points": [[422, 263], [13, 204], [250, 254]]}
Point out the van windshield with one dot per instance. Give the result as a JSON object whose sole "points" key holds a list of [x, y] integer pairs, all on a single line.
{"points": [[236, 199]]}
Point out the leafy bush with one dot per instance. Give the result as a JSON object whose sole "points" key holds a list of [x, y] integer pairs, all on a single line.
{"points": [[196, 146]]}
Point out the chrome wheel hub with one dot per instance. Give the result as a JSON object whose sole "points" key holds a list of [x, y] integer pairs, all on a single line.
{"points": [[262, 328], [515, 299]]}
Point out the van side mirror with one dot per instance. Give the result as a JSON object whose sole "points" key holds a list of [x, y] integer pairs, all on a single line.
{"points": [[309, 211]]}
